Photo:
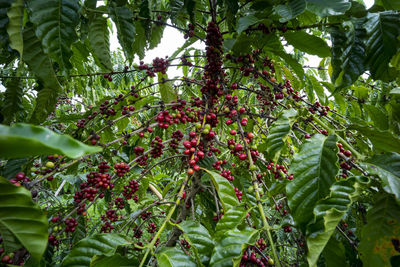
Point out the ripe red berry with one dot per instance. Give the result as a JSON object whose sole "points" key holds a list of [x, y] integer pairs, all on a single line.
{"points": [[232, 132], [242, 156]]}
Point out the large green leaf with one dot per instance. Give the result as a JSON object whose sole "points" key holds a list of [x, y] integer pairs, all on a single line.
{"points": [[12, 100], [55, 22], [4, 6], [383, 30], [308, 43], [124, 21], [232, 7], [292, 62], [387, 167], [329, 211], [22, 140], [278, 133], [22, 219], [87, 249], [291, 10], [324, 8], [383, 225], [225, 191], [39, 63], [334, 253], [14, 28], [100, 42], [229, 250], [314, 168], [139, 44], [114, 260], [174, 257], [378, 115], [382, 140], [245, 22], [348, 53], [199, 238], [230, 220]]}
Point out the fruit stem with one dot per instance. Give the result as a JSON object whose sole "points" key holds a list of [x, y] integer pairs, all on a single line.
{"points": [[172, 210]]}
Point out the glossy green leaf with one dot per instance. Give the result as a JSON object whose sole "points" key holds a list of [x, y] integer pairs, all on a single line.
{"points": [[291, 10], [308, 43], [328, 213], [314, 168], [14, 27], [199, 238], [383, 225], [114, 260], [334, 253], [278, 132], [382, 140], [348, 53], [12, 105], [22, 140], [230, 220], [100, 42], [139, 44], [324, 8], [225, 191], [22, 219], [395, 91], [174, 257], [383, 30], [387, 167], [124, 21], [229, 250], [55, 22], [246, 22], [101, 244]]}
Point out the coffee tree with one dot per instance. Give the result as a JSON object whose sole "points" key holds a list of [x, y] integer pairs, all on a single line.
{"points": [[250, 158]]}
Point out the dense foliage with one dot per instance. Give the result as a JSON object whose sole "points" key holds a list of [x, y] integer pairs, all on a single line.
{"points": [[251, 158]]}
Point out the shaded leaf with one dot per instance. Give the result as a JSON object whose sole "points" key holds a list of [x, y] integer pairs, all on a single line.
{"points": [[114, 260], [166, 90], [334, 253], [245, 22], [14, 27], [382, 140], [291, 10], [383, 225], [324, 8], [100, 42], [173, 257], [22, 219], [231, 219], [12, 104]]}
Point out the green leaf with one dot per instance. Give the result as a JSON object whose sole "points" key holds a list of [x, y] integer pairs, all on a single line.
{"points": [[382, 140], [292, 62], [291, 10], [395, 91], [39, 63], [278, 133], [140, 42], [4, 6], [123, 19], [230, 220], [22, 140], [231, 9], [114, 260], [156, 35], [348, 53], [308, 43], [14, 28], [22, 218], [229, 250], [245, 22], [173, 257], [383, 225], [329, 211], [225, 191], [314, 168], [319, 90], [55, 22], [387, 167], [101, 244], [324, 8], [383, 30], [45, 104], [378, 116], [100, 42], [12, 104], [166, 90], [199, 238], [334, 253]]}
